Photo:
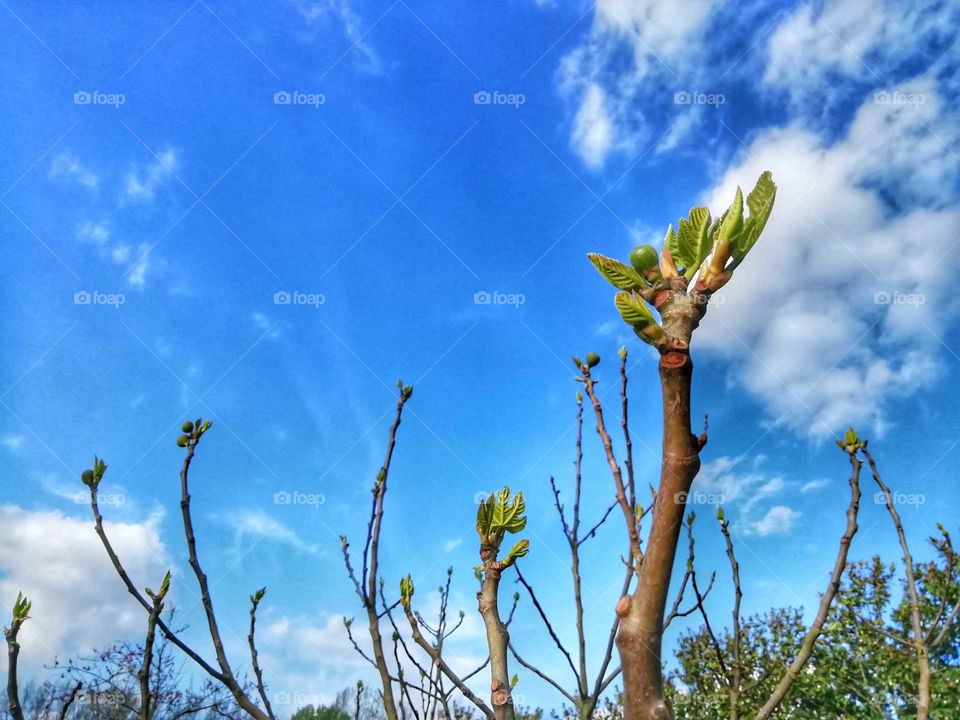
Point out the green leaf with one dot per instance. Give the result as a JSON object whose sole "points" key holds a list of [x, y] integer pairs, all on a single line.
{"points": [[507, 512], [850, 437], [760, 202], [406, 591], [616, 273], [692, 242], [485, 516], [732, 224], [21, 609], [520, 548], [633, 309], [672, 241]]}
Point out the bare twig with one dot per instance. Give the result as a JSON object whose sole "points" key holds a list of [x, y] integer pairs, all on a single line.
{"points": [[816, 628], [366, 584], [629, 515], [736, 674], [918, 637], [442, 664], [254, 655]]}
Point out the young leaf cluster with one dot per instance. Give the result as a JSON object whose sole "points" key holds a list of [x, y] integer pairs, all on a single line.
{"points": [[499, 514]]}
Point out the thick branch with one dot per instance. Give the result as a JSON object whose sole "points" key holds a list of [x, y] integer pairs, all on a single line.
{"points": [[13, 686]]}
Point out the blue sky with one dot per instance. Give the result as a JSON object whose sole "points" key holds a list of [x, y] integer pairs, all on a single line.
{"points": [[150, 166]]}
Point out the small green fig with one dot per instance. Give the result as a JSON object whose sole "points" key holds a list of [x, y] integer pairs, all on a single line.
{"points": [[187, 427], [183, 441], [593, 360], [87, 477], [644, 257]]}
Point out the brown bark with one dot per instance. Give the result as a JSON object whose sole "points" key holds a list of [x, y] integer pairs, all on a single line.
{"points": [[816, 627], [373, 543], [13, 687], [918, 641], [641, 615], [254, 655], [498, 637], [143, 675], [228, 678]]}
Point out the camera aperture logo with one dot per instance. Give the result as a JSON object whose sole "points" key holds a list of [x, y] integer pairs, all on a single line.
{"points": [[296, 97], [285, 497], [114, 499], [900, 498], [884, 297], [485, 97], [699, 98], [84, 297], [896, 97], [695, 497], [283, 297], [95, 97], [483, 297]]}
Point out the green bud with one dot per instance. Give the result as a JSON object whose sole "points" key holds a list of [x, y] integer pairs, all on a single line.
{"points": [[187, 427], [87, 477], [183, 441], [593, 359]]}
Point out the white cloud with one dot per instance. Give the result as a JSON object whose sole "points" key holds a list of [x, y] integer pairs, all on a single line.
{"points": [[302, 655], [66, 165], [59, 563], [352, 25], [779, 520], [97, 233], [658, 32], [826, 351], [451, 545], [745, 489], [13, 443], [142, 182], [610, 90], [136, 261], [259, 525], [680, 129], [737, 481], [137, 275], [861, 40], [814, 485], [593, 130]]}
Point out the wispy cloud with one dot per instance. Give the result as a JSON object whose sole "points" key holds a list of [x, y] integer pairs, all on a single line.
{"points": [[260, 526], [69, 167], [142, 181], [341, 13], [13, 443]]}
